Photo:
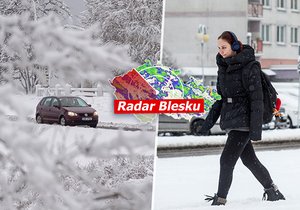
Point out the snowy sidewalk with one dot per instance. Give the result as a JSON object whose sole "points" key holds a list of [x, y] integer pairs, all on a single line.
{"points": [[268, 137], [181, 183]]}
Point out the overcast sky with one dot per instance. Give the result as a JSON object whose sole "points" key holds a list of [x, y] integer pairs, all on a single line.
{"points": [[76, 6]]}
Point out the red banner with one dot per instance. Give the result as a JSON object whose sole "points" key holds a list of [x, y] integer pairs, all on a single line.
{"points": [[158, 106]]}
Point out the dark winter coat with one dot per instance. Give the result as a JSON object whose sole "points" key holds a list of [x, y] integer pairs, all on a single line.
{"points": [[241, 106]]}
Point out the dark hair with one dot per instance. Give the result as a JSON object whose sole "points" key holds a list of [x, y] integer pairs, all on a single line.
{"points": [[229, 37]]}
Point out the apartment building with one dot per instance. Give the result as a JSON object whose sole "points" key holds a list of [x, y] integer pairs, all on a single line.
{"points": [[272, 27], [280, 32]]}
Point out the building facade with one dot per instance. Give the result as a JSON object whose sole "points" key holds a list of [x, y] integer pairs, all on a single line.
{"points": [[280, 32], [280, 29], [271, 27]]}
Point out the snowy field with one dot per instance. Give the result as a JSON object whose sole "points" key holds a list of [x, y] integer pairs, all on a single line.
{"points": [[181, 183]]}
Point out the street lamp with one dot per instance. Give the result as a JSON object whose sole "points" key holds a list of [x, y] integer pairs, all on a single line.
{"points": [[298, 115], [203, 37]]}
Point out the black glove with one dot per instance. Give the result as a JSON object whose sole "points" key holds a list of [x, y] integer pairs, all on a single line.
{"points": [[199, 131]]}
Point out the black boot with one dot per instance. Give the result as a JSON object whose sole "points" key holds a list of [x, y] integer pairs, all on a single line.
{"points": [[273, 194], [216, 200]]}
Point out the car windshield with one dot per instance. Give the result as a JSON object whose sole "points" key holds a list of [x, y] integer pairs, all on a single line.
{"points": [[73, 102]]}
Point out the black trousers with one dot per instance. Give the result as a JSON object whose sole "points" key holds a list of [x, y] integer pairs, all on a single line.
{"points": [[238, 145]]}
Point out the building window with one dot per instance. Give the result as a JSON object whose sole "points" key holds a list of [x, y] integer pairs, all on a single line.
{"points": [[294, 4], [281, 4], [280, 34], [265, 33], [266, 3], [294, 35]]}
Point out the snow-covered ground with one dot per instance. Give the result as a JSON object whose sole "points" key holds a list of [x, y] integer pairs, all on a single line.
{"points": [[72, 136], [67, 161], [103, 105], [183, 141], [181, 183]]}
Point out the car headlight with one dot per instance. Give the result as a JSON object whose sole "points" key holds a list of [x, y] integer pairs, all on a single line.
{"points": [[72, 114], [95, 114]]}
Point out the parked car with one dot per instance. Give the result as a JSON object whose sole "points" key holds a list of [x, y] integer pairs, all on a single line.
{"points": [[66, 110], [287, 92], [292, 116], [168, 124], [281, 122]]}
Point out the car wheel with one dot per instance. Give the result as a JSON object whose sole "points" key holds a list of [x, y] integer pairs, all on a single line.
{"points": [[177, 133], [289, 122], [62, 121], [161, 134], [272, 125], [196, 126], [93, 126], [39, 119]]}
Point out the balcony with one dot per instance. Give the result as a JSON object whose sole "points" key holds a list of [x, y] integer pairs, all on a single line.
{"points": [[257, 45], [255, 10]]}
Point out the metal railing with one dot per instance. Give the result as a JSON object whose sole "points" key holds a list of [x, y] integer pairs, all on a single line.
{"points": [[68, 90]]}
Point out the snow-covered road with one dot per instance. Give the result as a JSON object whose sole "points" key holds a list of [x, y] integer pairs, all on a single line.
{"points": [[196, 141]]}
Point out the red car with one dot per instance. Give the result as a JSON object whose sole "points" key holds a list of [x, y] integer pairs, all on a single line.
{"points": [[66, 110]]}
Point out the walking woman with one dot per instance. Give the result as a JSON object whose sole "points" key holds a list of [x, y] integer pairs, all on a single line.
{"points": [[241, 111]]}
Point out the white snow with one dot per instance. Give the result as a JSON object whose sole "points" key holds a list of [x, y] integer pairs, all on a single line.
{"points": [[78, 135], [181, 183], [102, 104], [268, 135], [44, 151]]}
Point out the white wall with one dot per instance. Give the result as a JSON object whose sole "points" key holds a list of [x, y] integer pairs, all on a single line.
{"points": [[182, 20]]}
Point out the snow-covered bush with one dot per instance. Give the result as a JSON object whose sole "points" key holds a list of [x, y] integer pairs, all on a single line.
{"points": [[54, 167]]}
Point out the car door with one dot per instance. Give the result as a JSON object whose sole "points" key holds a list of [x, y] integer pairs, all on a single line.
{"points": [[45, 109], [170, 124], [54, 111]]}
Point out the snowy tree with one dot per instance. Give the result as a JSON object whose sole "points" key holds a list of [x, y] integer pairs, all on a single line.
{"points": [[168, 59], [3, 70], [39, 167], [44, 46], [36, 8], [136, 23]]}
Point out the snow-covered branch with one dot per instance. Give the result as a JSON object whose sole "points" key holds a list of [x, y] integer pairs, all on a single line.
{"points": [[55, 167], [35, 8], [129, 22], [41, 47]]}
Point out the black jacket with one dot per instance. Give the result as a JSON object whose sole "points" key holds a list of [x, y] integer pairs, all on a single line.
{"points": [[241, 105]]}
